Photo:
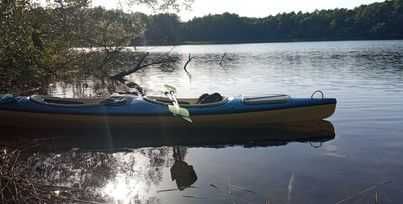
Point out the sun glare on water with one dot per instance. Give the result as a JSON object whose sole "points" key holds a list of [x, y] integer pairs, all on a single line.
{"points": [[135, 178], [123, 189]]}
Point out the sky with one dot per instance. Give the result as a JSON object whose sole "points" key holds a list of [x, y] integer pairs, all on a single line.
{"points": [[249, 8]]}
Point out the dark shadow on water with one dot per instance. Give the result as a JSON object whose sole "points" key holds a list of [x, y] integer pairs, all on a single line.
{"points": [[183, 173], [59, 140]]}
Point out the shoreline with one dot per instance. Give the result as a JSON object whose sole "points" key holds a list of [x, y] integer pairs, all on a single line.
{"points": [[258, 42]]}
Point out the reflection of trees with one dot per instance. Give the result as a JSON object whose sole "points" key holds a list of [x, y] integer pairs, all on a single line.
{"points": [[100, 176]]}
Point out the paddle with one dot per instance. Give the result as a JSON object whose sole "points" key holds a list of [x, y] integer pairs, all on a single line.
{"points": [[175, 109]]}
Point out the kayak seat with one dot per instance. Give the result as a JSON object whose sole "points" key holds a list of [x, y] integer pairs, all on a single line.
{"points": [[207, 98]]}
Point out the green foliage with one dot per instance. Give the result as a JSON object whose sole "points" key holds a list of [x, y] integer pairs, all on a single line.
{"points": [[375, 21], [38, 44], [19, 52]]}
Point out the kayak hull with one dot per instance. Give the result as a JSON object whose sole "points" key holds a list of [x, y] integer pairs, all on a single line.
{"points": [[27, 119]]}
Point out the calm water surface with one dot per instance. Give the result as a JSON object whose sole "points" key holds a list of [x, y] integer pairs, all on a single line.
{"points": [[364, 158]]}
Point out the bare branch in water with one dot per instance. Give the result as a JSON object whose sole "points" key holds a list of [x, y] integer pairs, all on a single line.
{"points": [[186, 64], [195, 197], [222, 59], [120, 76], [167, 190], [140, 65]]}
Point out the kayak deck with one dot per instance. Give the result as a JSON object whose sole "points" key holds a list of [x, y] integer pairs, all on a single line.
{"points": [[134, 111]]}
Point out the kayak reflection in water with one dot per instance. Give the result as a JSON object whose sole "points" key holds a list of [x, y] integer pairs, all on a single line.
{"points": [[181, 172]]}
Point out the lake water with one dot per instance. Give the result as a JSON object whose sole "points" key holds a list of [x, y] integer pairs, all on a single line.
{"points": [[360, 160]]}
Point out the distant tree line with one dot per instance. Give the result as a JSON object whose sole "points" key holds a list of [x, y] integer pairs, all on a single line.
{"points": [[375, 21]]}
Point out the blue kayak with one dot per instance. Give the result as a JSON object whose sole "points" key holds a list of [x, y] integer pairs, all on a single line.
{"points": [[155, 112]]}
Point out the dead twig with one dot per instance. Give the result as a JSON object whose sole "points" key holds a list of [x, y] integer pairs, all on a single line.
{"points": [[290, 187], [365, 190], [16, 186]]}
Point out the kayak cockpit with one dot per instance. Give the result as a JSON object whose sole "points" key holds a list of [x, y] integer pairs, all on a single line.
{"points": [[78, 102], [273, 99], [202, 101]]}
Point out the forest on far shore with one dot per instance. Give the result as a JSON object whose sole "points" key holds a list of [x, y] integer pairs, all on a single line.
{"points": [[376, 21]]}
